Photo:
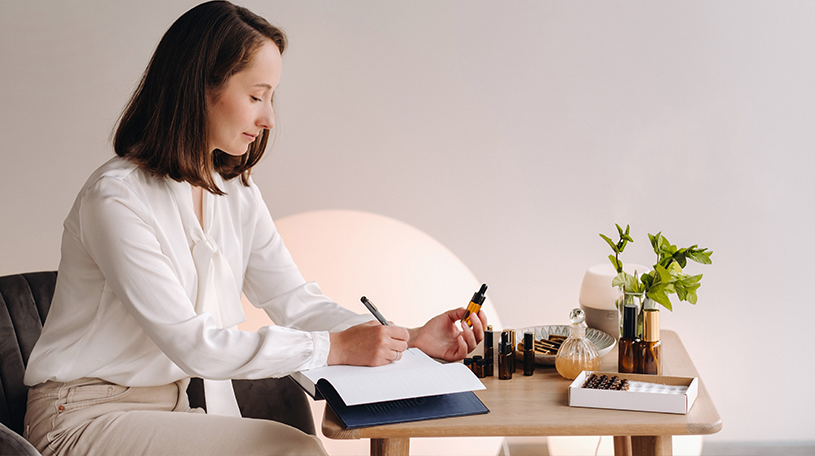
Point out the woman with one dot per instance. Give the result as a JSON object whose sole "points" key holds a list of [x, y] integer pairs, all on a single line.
{"points": [[156, 250]]}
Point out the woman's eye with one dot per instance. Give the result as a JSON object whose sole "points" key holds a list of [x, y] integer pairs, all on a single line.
{"points": [[256, 99]]}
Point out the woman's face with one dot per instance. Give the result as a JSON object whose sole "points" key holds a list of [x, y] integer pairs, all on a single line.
{"points": [[243, 109]]}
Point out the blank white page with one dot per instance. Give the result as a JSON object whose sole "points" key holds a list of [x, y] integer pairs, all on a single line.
{"points": [[414, 375]]}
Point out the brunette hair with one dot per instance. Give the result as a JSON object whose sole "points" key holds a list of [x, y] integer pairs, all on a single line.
{"points": [[163, 127]]}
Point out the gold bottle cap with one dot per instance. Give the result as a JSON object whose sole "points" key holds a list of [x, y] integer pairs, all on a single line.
{"points": [[650, 325]]}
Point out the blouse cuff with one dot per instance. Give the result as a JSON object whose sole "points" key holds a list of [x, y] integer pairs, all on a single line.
{"points": [[321, 347]]}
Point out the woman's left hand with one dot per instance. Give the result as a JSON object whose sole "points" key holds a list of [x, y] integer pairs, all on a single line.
{"points": [[446, 337]]}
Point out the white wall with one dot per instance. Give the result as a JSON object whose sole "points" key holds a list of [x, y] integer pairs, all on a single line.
{"points": [[512, 134]]}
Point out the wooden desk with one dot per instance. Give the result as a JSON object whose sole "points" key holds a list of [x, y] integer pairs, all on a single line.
{"points": [[538, 406]]}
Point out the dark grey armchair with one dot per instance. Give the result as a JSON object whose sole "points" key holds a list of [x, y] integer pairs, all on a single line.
{"points": [[24, 303]]}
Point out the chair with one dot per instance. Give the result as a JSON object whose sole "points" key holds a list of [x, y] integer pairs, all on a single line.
{"points": [[24, 303], [408, 275]]}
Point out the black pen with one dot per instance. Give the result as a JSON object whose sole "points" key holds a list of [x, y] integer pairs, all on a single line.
{"points": [[374, 310]]}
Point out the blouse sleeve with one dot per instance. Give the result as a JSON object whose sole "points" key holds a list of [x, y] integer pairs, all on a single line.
{"points": [[120, 235]]}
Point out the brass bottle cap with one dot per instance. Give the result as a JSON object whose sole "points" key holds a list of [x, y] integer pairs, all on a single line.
{"points": [[650, 325]]}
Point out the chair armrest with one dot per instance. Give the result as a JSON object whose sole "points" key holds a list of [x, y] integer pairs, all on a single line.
{"points": [[13, 444]]}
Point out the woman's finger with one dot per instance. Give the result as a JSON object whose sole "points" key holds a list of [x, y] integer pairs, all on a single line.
{"points": [[468, 337]]}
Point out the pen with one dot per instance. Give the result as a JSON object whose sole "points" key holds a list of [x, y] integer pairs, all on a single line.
{"points": [[374, 310]]}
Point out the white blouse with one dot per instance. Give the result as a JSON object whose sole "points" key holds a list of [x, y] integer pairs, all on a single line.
{"points": [[124, 309]]}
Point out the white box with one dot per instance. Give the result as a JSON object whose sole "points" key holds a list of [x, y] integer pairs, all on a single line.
{"points": [[645, 401]]}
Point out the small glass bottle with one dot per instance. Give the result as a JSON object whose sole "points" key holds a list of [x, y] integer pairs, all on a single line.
{"points": [[649, 349], [489, 356], [478, 366], [627, 345], [511, 338], [505, 354], [475, 304], [577, 353], [529, 354]]}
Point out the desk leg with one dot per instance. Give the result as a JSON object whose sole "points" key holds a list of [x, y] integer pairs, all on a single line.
{"points": [[622, 445], [390, 447], [652, 445]]}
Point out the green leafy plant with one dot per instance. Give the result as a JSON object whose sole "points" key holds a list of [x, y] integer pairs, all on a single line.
{"points": [[666, 277]]}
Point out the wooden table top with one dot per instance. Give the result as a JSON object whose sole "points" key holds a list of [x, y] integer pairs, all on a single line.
{"points": [[538, 406]]}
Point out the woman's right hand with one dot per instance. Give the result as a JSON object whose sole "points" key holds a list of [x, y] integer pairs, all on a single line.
{"points": [[367, 344]]}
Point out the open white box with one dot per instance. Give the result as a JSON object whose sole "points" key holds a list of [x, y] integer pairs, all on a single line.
{"points": [[650, 401]]}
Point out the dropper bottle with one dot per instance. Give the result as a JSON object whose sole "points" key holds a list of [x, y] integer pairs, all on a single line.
{"points": [[475, 304], [505, 354], [628, 343]]}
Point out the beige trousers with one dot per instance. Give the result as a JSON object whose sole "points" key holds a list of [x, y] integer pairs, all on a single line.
{"points": [[93, 417]]}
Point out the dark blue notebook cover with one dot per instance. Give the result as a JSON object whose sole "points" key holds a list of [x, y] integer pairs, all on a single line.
{"points": [[403, 410]]}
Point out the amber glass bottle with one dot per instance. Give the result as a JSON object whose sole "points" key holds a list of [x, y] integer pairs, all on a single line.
{"points": [[649, 349], [475, 304], [627, 346], [512, 345], [489, 357], [529, 353], [505, 354]]}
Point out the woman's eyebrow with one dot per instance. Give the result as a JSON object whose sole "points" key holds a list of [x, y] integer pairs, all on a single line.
{"points": [[263, 84]]}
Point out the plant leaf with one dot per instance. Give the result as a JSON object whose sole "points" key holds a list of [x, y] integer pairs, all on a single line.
{"points": [[675, 268], [659, 296], [664, 275], [610, 243], [647, 279], [618, 265], [679, 258], [701, 256]]}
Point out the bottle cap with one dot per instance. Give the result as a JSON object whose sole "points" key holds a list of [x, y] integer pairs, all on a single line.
{"points": [[650, 325], [510, 336], [480, 295], [630, 322], [488, 338], [529, 340]]}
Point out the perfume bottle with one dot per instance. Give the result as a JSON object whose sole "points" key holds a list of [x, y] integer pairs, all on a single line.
{"points": [[529, 353], [577, 353], [649, 349], [627, 345]]}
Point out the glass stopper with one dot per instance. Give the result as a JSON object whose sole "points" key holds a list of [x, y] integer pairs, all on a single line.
{"points": [[577, 316]]}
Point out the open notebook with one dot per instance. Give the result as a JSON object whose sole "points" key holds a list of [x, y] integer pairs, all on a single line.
{"points": [[414, 388]]}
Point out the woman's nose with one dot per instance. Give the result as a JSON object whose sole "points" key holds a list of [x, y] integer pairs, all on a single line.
{"points": [[267, 119]]}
